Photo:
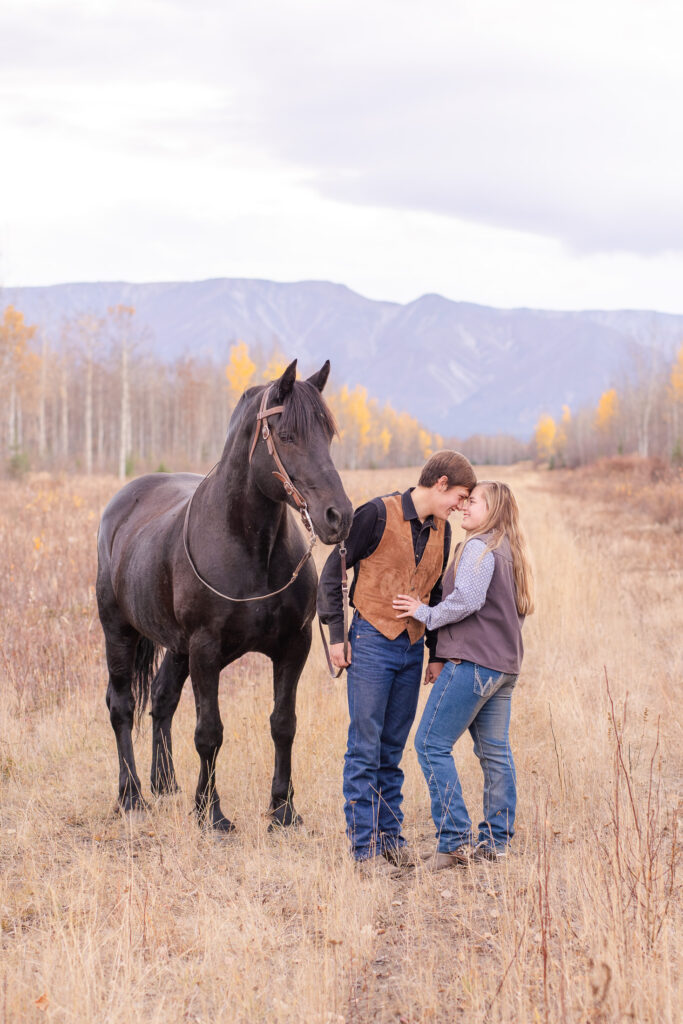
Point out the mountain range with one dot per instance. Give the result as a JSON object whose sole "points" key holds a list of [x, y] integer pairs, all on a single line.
{"points": [[458, 367]]}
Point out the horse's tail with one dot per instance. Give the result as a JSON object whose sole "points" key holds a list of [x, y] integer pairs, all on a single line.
{"points": [[144, 670]]}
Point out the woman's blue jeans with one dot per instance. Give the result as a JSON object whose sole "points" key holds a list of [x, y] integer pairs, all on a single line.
{"points": [[469, 696], [383, 685]]}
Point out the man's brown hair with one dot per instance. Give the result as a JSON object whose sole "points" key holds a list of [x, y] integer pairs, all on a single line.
{"points": [[454, 466]]}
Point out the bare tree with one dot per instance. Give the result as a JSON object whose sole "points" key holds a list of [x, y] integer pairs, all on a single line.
{"points": [[121, 329], [89, 334], [642, 396]]}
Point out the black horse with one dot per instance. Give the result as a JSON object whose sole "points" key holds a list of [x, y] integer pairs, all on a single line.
{"points": [[170, 544]]}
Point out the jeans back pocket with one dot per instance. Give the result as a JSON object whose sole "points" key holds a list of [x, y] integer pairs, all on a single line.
{"points": [[487, 682]]}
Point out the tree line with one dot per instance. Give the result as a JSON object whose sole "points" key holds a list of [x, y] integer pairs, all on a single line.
{"points": [[95, 399], [643, 416]]}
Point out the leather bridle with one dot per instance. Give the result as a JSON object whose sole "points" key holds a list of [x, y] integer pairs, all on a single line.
{"points": [[281, 473], [263, 427]]}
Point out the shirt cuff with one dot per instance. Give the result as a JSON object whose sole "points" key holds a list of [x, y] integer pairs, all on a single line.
{"points": [[336, 632], [421, 613]]}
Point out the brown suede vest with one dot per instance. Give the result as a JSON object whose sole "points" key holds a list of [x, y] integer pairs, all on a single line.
{"points": [[391, 570]]}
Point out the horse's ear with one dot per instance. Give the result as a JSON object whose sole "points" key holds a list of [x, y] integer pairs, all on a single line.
{"points": [[285, 384], [319, 379]]}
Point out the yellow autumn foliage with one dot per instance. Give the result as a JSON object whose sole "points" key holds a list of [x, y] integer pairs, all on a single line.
{"points": [[15, 335], [240, 369], [385, 436], [677, 376], [544, 437], [275, 367], [607, 409], [562, 432], [425, 442], [356, 412]]}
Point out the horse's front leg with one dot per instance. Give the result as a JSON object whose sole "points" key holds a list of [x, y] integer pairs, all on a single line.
{"points": [[287, 668], [208, 737], [166, 690]]}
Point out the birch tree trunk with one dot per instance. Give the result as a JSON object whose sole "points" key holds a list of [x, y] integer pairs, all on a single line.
{"points": [[88, 411], [100, 426], [11, 418], [19, 426], [64, 403], [42, 400], [125, 409]]}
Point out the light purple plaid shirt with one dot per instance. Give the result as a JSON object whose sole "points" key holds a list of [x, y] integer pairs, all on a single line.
{"points": [[469, 593]]}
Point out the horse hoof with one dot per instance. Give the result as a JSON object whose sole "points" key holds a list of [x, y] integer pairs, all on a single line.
{"points": [[132, 807], [223, 826], [215, 822], [284, 817], [134, 815], [165, 788]]}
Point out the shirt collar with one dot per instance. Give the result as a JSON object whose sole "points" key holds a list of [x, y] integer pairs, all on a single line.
{"points": [[410, 512]]}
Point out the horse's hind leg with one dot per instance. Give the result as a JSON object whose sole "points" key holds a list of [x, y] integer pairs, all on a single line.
{"points": [[121, 642], [166, 689], [287, 668]]}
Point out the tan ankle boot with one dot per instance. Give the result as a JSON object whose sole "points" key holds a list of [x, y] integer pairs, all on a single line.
{"points": [[455, 858]]}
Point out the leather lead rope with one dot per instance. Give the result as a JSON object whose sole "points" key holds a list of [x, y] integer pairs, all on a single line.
{"points": [[258, 597]]}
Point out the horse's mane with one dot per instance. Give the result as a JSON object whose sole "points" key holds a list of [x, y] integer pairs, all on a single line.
{"points": [[304, 407]]}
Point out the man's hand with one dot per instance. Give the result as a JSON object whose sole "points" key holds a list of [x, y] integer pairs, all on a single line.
{"points": [[432, 672], [337, 655]]}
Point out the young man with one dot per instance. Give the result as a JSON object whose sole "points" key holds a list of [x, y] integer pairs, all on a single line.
{"points": [[399, 544]]}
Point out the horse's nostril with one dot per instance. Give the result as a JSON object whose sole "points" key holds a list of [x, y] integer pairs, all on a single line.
{"points": [[333, 517]]}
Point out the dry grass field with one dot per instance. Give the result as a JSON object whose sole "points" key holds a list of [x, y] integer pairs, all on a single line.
{"points": [[104, 919]]}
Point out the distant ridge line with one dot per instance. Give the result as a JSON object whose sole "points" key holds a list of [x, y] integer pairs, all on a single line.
{"points": [[458, 367]]}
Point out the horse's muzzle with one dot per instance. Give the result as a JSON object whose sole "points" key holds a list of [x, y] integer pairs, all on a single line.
{"points": [[336, 524]]}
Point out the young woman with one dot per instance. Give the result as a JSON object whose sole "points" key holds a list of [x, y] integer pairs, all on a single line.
{"points": [[487, 592]]}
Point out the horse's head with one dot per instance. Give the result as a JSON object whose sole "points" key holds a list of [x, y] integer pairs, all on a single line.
{"points": [[302, 433]]}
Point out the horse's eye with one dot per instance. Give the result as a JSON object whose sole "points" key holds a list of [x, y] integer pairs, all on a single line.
{"points": [[286, 438]]}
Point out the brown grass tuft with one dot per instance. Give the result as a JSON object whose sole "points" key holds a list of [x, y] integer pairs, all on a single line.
{"points": [[649, 490]]}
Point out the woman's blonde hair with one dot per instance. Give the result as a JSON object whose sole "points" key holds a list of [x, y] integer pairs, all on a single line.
{"points": [[503, 521]]}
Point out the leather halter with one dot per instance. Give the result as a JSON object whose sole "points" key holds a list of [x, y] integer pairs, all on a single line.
{"points": [[282, 475]]}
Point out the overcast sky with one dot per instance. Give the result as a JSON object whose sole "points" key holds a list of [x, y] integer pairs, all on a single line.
{"points": [[512, 154]]}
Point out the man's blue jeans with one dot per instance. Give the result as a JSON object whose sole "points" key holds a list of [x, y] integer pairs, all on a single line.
{"points": [[469, 696], [383, 685]]}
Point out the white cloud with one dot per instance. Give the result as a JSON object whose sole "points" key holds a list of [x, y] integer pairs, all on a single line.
{"points": [[571, 136], [517, 155]]}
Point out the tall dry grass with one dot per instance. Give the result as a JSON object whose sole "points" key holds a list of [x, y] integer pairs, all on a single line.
{"points": [[107, 919]]}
